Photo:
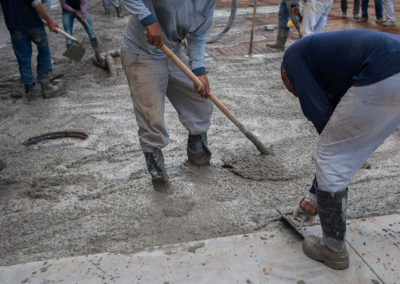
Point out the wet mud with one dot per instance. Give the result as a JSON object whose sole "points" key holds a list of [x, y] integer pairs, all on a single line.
{"points": [[96, 196]]}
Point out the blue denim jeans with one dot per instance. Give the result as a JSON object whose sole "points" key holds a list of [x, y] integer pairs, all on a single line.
{"points": [[22, 44], [68, 23], [378, 8]]}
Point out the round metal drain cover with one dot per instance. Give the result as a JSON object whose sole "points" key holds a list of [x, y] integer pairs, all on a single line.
{"points": [[56, 139]]}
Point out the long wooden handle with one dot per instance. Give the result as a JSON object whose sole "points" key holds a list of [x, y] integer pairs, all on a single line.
{"points": [[217, 102], [67, 35]]}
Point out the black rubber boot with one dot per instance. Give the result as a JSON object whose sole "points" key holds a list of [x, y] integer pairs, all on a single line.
{"points": [[49, 89], [155, 166], [119, 12], [279, 44], [30, 92], [331, 248], [197, 150], [95, 44]]}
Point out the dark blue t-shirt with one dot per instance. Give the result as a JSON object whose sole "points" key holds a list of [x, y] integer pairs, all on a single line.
{"points": [[322, 67], [19, 14]]}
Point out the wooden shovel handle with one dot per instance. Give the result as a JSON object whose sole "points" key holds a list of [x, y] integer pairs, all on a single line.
{"points": [[67, 35]]}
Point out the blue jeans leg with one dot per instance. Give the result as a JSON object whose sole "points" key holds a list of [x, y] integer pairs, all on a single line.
{"points": [[283, 30], [68, 24], [39, 37], [89, 29], [23, 51], [364, 8], [378, 9]]}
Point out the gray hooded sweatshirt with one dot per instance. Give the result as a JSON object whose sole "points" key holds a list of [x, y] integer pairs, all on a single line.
{"points": [[178, 19]]}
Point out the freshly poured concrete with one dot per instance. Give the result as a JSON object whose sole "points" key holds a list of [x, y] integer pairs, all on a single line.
{"points": [[274, 256]]}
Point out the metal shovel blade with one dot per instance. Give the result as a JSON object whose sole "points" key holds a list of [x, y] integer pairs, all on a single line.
{"points": [[75, 52]]}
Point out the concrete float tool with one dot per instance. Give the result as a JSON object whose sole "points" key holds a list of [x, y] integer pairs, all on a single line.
{"points": [[75, 51], [260, 147]]}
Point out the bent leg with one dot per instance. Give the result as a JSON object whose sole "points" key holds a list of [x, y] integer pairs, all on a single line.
{"points": [[361, 122], [193, 110]]}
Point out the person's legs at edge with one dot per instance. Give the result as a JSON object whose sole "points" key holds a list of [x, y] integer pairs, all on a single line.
{"points": [[389, 10], [343, 7], [22, 47], [283, 30], [378, 12], [356, 9]]}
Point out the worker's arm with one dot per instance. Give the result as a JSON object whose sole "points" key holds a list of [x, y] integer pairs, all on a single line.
{"points": [[196, 48], [314, 101], [83, 10], [37, 4]]}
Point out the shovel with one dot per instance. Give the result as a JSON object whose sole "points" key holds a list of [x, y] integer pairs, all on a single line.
{"points": [[75, 51], [260, 147]]}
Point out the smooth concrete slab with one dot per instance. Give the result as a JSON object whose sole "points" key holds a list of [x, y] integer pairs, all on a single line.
{"points": [[265, 257], [377, 240]]}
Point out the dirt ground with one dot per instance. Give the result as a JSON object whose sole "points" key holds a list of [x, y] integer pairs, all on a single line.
{"points": [[96, 196]]}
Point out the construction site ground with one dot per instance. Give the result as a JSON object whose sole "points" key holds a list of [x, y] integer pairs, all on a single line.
{"points": [[94, 197]]}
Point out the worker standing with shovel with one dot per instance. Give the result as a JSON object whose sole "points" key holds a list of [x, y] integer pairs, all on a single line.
{"points": [[25, 26], [152, 76]]}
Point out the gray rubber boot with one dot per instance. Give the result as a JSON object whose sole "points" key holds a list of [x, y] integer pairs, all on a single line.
{"points": [[155, 166], [197, 150], [331, 248], [49, 89], [279, 44]]}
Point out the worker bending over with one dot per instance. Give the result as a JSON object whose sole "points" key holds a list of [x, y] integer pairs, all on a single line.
{"points": [[351, 94]]}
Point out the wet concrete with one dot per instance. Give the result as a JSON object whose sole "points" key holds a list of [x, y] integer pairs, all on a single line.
{"points": [[97, 197]]}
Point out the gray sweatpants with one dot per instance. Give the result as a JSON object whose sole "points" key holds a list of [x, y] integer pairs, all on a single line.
{"points": [[361, 122], [150, 80]]}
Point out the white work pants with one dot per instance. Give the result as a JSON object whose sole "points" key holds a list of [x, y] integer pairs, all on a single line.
{"points": [[361, 122], [150, 80], [315, 14], [389, 10]]}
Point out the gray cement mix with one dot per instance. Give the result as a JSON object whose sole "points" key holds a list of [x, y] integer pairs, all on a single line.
{"points": [[96, 196]]}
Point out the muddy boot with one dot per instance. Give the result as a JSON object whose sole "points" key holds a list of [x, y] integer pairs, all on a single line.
{"points": [[49, 89], [331, 248], [197, 150], [155, 166], [119, 12], [279, 44], [30, 92]]}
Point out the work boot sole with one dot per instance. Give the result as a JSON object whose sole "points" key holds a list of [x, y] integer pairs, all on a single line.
{"points": [[309, 244]]}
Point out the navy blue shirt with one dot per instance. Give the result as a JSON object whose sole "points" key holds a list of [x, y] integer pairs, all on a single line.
{"points": [[322, 67], [19, 14]]}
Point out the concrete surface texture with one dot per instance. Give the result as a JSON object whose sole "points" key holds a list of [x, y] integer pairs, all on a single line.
{"points": [[273, 256], [95, 196]]}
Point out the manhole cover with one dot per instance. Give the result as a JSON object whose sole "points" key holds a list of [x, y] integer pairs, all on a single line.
{"points": [[56, 139]]}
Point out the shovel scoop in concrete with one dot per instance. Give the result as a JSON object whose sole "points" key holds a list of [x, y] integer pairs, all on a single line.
{"points": [[74, 52]]}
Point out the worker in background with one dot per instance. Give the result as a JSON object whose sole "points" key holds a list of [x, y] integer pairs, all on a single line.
{"points": [[117, 6], [23, 20], [315, 15], [287, 9], [152, 77], [352, 96], [77, 9]]}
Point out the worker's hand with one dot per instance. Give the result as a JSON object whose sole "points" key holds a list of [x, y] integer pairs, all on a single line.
{"points": [[204, 89], [83, 17], [295, 11], [52, 26], [77, 14], [154, 35]]}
